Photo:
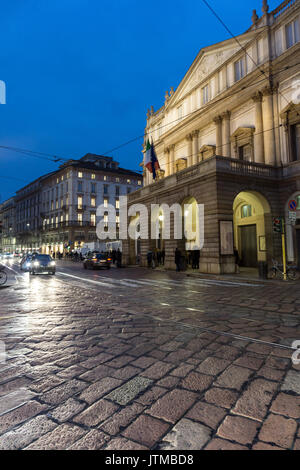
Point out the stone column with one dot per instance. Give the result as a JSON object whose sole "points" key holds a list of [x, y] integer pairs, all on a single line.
{"points": [[218, 123], [226, 149], [172, 159], [189, 139], [259, 151], [195, 135], [268, 124], [168, 166]]}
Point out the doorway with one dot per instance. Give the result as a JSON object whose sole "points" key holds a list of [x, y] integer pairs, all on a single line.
{"points": [[248, 238]]}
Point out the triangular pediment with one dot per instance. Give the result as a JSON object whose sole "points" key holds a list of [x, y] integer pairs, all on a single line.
{"points": [[208, 60]]}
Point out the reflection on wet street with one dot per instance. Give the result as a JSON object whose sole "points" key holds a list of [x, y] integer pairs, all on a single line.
{"points": [[94, 359]]}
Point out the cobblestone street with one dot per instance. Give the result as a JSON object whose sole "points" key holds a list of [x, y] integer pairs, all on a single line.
{"points": [[138, 359]]}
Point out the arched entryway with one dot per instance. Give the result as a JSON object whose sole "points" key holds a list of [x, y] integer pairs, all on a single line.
{"points": [[252, 228]]}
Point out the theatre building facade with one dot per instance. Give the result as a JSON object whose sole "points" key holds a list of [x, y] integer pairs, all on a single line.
{"points": [[229, 138]]}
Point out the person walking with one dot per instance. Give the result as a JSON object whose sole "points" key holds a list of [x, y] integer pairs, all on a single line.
{"points": [[119, 258], [149, 258], [177, 259]]}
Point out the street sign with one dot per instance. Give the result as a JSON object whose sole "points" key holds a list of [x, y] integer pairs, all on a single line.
{"points": [[292, 217], [277, 224], [293, 205]]}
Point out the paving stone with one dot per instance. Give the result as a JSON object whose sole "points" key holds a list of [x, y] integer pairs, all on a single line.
{"points": [[127, 392], [234, 377], [20, 414], [186, 435], [292, 382], [157, 370], [196, 382], [183, 370], [213, 365], [121, 419], [221, 444], [67, 410], [99, 389], [251, 362], [15, 399], [96, 413], [58, 439], [124, 444], [146, 430], [207, 414], [151, 395], [278, 430], [23, 435], [241, 430], [264, 446], [168, 382], [221, 397], [126, 372], [173, 405], [45, 384], [63, 391], [287, 405], [255, 400], [271, 374], [143, 362], [13, 385], [94, 440]]}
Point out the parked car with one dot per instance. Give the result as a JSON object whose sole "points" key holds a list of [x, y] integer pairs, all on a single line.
{"points": [[97, 261], [42, 264]]}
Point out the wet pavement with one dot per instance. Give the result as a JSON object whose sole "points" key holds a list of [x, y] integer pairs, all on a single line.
{"points": [[137, 359]]}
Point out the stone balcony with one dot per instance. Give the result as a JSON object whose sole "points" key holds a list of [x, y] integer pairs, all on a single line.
{"points": [[218, 165]]}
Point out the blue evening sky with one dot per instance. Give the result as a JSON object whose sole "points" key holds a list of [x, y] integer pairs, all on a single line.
{"points": [[80, 74]]}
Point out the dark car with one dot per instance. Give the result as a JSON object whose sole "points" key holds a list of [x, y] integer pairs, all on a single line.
{"points": [[97, 261], [42, 264], [25, 263]]}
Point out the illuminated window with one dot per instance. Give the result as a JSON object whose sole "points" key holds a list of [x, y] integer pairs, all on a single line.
{"points": [[246, 211], [139, 183], [105, 202], [93, 201], [117, 204], [93, 219], [80, 175], [105, 178], [62, 177], [117, 219], [106, 218], [57, 180], [79, 202], [56, 204], [118, 180], [128, 181], [93, 176], [79, 217]]}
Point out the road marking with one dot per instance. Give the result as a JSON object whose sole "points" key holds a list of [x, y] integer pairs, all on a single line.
{"points": [[87, 280], [152, 283]]}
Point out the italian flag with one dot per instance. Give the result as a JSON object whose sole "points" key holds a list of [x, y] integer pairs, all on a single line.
{"points": [[151, 162]]}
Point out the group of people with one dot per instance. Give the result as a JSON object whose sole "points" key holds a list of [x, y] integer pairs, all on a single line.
{"points": [[190, 258], [156, 258]]}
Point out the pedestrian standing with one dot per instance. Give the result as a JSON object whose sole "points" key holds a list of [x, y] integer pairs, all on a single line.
{"points": [[177, 259]]}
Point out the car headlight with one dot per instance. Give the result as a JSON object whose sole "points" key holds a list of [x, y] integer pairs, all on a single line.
{"points": [[52, 263], [36, 263]]}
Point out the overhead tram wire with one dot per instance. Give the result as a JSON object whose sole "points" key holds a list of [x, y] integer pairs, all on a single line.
{"points": [[213, 102], [56, 158], [245, 50]]}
